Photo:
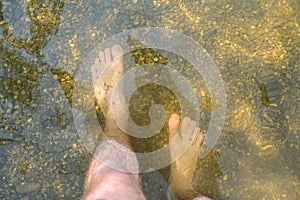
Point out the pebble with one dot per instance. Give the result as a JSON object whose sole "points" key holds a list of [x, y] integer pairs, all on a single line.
{"points": [[27, 187], [3, 160]]}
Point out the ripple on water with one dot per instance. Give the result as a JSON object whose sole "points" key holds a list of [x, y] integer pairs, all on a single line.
{"points": [[273, 126], [19, 79]]}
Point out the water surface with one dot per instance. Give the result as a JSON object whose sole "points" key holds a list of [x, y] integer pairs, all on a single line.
{"points": [[255, 45]]}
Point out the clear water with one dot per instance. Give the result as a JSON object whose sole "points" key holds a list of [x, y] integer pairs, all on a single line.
{"points": [[255, 45]]}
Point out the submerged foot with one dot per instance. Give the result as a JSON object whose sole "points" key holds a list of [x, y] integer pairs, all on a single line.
{"points": [[106, 73], [108, 175], [183, 168]]}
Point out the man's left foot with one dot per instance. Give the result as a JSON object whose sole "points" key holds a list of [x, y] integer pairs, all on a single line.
{"points": [[110, 63], [183, 168], [108, 175]]}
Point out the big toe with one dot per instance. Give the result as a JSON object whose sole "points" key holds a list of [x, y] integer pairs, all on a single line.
{"points": [[117, 54], [198, 138], [173, 125]]}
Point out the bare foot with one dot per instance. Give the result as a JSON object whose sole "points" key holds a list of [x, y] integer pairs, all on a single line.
{"points": [[108, 176], [182, 170], [106, 73]]}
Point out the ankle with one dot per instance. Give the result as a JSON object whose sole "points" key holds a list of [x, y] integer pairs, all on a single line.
{"points": [[187, 194], [178, 185]]}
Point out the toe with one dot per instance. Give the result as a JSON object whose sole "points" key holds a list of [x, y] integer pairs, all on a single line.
{"points": [[95, 69], [173, 125], [191, 128], [94, 73], [185, 124], [117, 54], [101, 57], [199, 138], [116, 51], [107, 55], [97, 61]]}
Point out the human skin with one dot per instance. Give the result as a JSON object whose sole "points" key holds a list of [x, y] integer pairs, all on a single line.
{"points": [[113, 169]]}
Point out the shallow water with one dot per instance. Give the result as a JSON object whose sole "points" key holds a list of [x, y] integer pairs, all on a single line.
{"points": [[254, 44]]}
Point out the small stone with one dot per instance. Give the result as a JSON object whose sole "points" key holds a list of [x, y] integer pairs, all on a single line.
{"points": [[225, 177], [27, 187], [26, 198]]}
